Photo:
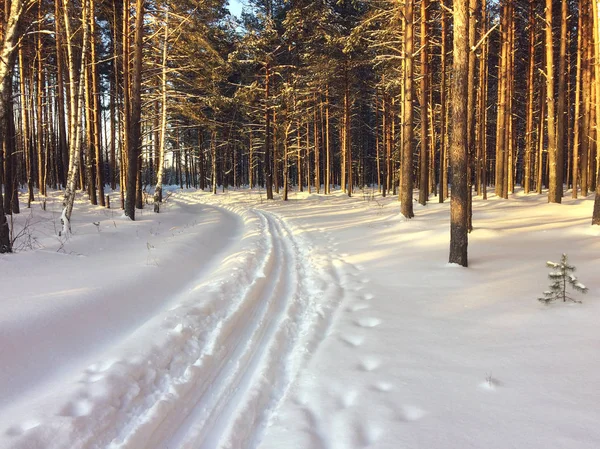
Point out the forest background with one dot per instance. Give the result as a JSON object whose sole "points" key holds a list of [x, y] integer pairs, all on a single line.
{"points": [[125, 95]]}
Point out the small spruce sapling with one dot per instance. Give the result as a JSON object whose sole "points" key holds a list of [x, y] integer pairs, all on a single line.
{"points": [[561, 275]]}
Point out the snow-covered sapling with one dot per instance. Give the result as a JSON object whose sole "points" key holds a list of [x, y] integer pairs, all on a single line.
{"points": [[561, 275]]}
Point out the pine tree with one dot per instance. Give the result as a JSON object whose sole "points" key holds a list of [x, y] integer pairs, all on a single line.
{"points": [[561, 275]]}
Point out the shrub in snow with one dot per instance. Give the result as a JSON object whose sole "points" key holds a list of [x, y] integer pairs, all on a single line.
{"points": [[561, 276]]}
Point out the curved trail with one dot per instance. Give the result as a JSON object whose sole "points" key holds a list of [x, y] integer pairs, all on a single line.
{"points": [[250, 357], [253, 341], [210, 371]]}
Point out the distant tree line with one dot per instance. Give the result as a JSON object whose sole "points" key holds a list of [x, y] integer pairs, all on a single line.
{"points": [[297, 94]]}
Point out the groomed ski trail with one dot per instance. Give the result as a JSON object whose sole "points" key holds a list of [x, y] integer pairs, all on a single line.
{"points": [[210, 371], [255, 352]]}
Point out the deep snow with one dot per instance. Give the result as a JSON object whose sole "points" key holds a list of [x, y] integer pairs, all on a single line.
{"points": [[320, 323]]}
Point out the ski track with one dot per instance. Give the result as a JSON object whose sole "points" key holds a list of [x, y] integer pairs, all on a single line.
{"points": [[230, 357]]}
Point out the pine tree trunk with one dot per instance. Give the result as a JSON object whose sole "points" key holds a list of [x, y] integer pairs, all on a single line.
{"points": [[406, 188], [501, 120], [133, 194], [267, 161], [96, 111], [554, 192], [561, 113], [596, 41], [25, 118], [459, 138], [424, 97], [577, 114], [529, 129], [443, 171]]}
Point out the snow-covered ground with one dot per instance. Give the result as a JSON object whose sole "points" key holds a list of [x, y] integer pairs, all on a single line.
{"points": [[322, 323]]}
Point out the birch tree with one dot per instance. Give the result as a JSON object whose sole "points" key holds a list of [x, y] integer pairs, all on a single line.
{"points": [[10, 39], [76, 103]]}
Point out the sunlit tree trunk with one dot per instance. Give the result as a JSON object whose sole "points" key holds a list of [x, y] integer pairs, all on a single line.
{"points": [[76, 102], [406, 188], [596, 42], [96, 111], [424, 97], [577, 135], [458, 140], [554, 192], [529, 129], [163, 116], [443, 169], [135, 130]]}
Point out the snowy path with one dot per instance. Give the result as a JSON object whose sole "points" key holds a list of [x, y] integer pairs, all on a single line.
{"points": [[204, 367], [253, 350], [324, 322]]}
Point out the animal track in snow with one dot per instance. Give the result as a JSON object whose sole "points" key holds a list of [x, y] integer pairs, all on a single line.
{"points": [[353, 340], [357, 307], [412, 413], [368, 322], [369, 363], [348, 399], [384, 387], [76, 409]]}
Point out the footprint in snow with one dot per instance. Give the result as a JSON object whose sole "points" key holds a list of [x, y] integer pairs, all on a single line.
{"points": [[411, 413], [368, 322], [20, 429], [76, 409], [384, 387], [357, 307], [353, 340], [369, 364], [348, 399]]}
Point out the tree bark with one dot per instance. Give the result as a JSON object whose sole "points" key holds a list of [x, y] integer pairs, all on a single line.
{"points": [[554, 192], [76, 102], [458, 141], [596, 41], [163, 116], [135, 125], [406, 188], [424, 156]]}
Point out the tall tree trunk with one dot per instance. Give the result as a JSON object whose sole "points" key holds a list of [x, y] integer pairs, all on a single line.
{"points": [[62, 131], [577, 135], [267, 165], [471, 119], [76, 102], [554, 192], [424, 97], [529, 128], [502, 119], [25, 118], [348, 130], [96, 111], [135, 131], [596, 41], [406, 188], [163, 116], [458, 140], [561, 113], [443, 172], [327, 143]]}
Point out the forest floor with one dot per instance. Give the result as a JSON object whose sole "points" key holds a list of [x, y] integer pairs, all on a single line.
{"points": [[324, 322]]}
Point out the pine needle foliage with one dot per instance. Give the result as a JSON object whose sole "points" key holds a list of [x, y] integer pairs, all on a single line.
{"points": [[561, 277]]}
